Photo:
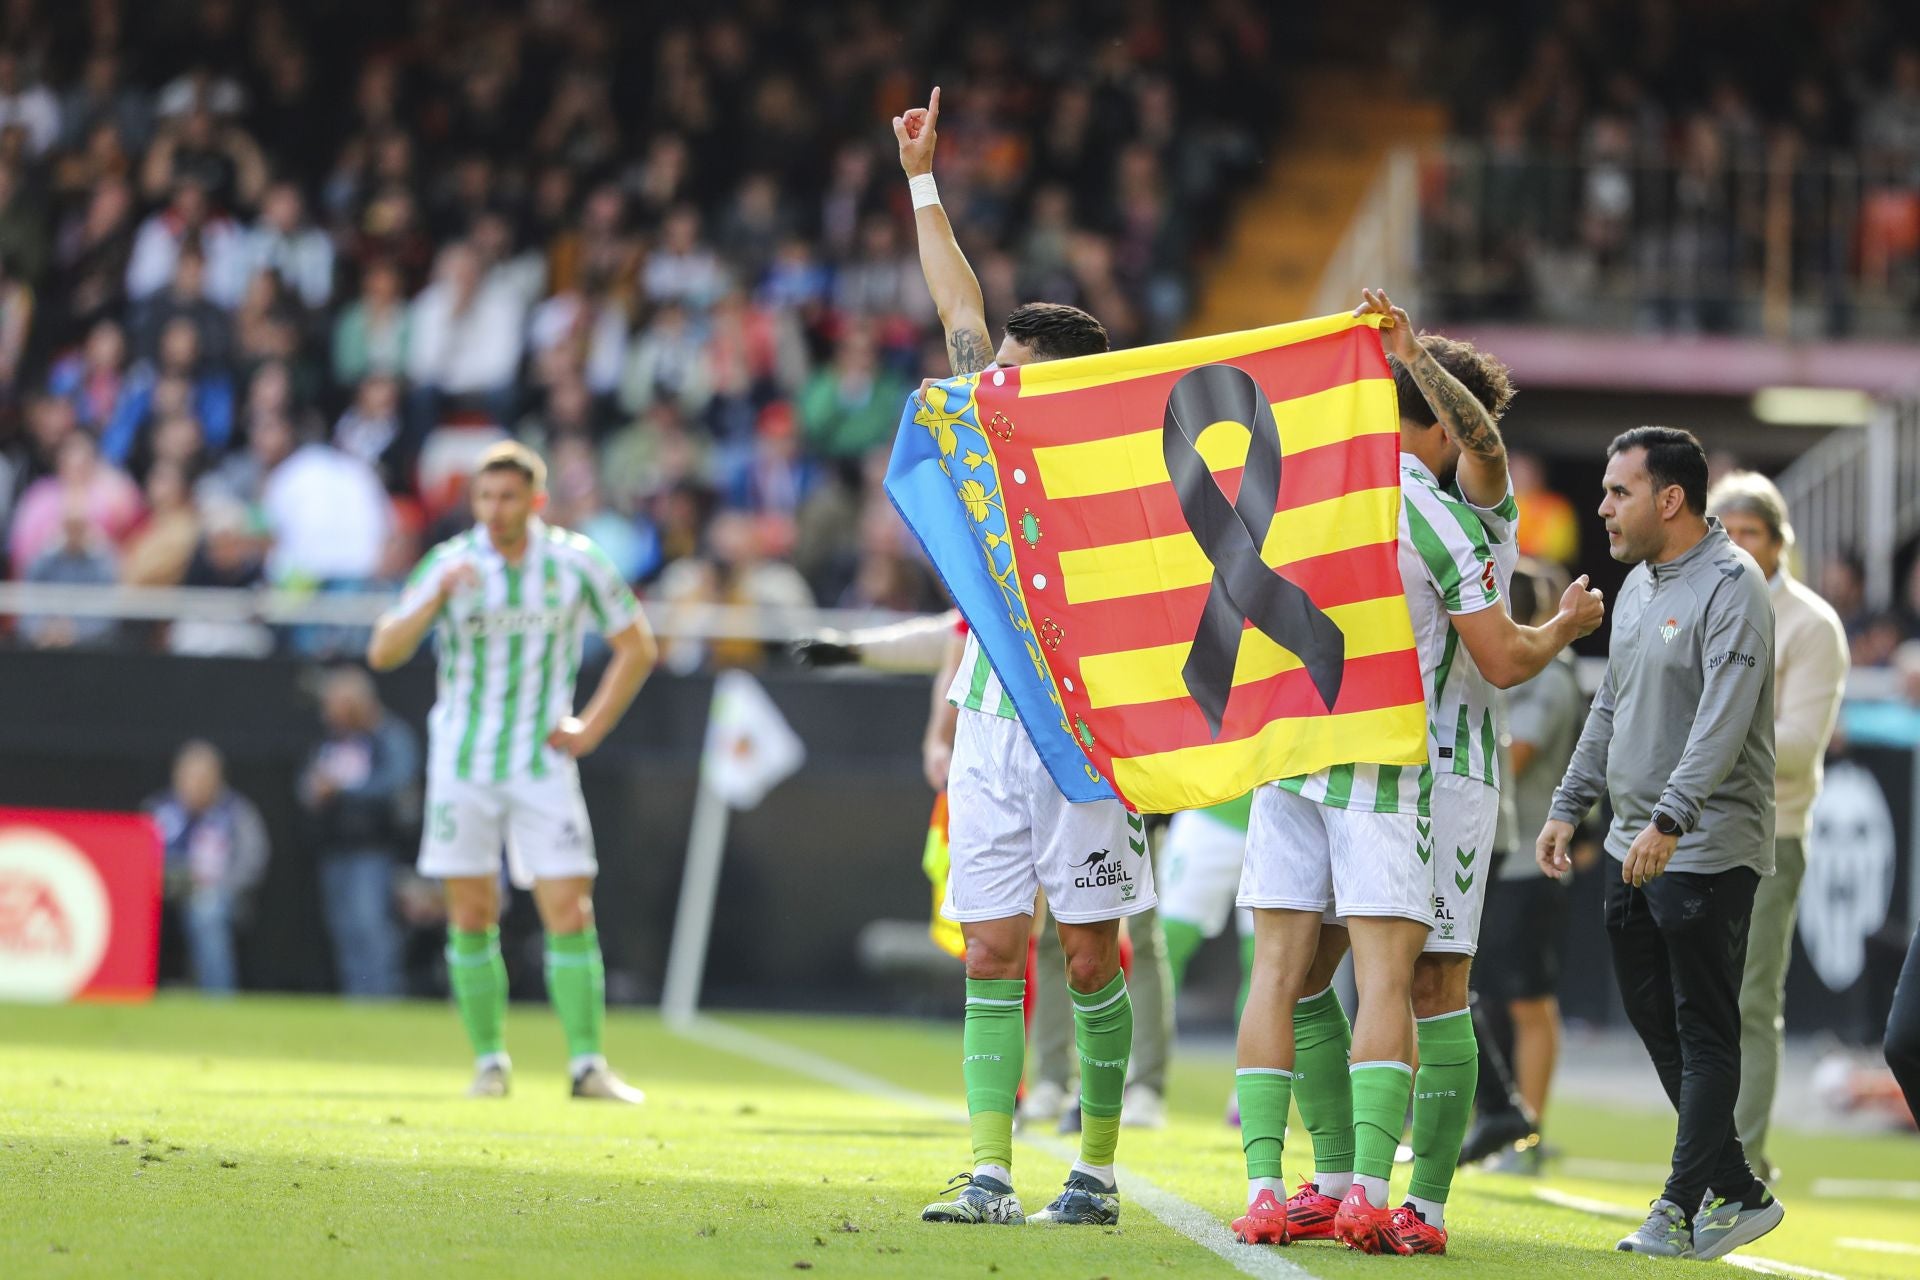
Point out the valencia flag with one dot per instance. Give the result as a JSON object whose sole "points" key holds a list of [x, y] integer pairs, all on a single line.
{"points": [[1181, 560]]}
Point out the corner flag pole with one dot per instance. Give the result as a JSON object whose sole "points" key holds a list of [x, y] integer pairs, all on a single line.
{"points": [[693, 921]]}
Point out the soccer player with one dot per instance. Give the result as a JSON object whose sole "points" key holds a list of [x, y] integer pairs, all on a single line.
{"points": [[1399, 853], [1010, 831], [508, 601]]}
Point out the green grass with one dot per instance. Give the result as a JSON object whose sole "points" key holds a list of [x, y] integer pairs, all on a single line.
{"points": [[309, 1138]]}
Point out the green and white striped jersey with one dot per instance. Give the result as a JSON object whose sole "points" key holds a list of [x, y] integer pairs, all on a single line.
{"points": [[976, 688], [1455, 558], [509, 648]]}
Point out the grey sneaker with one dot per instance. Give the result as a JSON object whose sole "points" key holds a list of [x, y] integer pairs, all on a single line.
{"points": [[601, 1084], [1083, 1202], [490, 1081], [981, 1199], [1663, 1235], [1722, 1226]]}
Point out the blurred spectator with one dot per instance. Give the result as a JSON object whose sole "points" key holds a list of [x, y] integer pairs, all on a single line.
{"points": [[186, 219], [206, 387], [853, 404], [359, 790], [80, 480], [465, 335], [216, 855], [93, 380], [373, 430], [229, 555], [682, 269], [30, 107], [283, 242], [23, 226], [669, 362], [185, 298], [328, 515], [81, 558], [733, 572], [160, 549], [1549, 525], [372, 333]]}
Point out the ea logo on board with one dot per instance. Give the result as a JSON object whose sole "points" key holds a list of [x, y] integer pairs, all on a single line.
{"points": [[54, 916]]}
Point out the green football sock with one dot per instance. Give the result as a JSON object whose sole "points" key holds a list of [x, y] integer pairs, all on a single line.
{"points": [[479, 979], [577, 986], [1103, 1032], [993, 1043], [1321, 1085], [1246, 979], [1183, 939], [1264, 1094], [1379, 1113], [1442, 1100]]}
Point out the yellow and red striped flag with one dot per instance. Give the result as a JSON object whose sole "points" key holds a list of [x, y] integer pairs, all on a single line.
{"points": [[1182, 560]]}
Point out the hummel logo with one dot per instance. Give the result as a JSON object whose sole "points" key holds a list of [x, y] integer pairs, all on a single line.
{"points": [[1093, 859], [1425, 851], [1424, 826], [1465, 856], [1463, 883]]}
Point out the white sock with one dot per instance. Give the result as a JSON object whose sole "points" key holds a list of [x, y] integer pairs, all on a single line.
{"points": [[579, 1066], [998, 1172], [1376, 1189], [1101, 1173], [499, 1060], [1333, 1184], [1433, 1211], [1256, 1185]]}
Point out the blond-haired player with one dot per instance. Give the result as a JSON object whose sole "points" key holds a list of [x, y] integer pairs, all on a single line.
{"points": [[508, 602]]}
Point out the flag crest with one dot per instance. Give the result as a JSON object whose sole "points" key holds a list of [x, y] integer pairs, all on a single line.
{"points": [[1181, 560]]}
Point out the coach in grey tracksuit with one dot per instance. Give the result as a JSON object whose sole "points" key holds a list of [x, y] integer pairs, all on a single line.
{"points": [[1681, 737]]}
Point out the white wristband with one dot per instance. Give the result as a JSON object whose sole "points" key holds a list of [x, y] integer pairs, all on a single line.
{"points": [[923, 190]]}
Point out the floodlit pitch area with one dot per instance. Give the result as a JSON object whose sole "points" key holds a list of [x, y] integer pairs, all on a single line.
{"points": [[310, 1138]]}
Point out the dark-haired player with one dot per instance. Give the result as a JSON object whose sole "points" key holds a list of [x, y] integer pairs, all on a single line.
{"points": [[1010, 830], [1398, 854]]}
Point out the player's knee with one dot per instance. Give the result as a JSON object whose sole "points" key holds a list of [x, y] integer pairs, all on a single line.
{"points": [[1091, 969], [1439, 985], [992, 959]]}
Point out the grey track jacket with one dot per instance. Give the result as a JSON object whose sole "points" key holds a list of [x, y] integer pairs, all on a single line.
{"points": [[1684, 718]]}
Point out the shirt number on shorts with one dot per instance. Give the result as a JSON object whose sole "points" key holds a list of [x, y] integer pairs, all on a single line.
{"points": [[443, 825]]}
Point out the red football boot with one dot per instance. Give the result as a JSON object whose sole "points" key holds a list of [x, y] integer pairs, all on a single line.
{"points": [[1310, 1215], [1411, 1234], [1265, 1222], [1360, 1226]]}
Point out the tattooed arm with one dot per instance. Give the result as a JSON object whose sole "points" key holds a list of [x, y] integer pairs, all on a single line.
{"points": [[955, 290], [1483, 454]]}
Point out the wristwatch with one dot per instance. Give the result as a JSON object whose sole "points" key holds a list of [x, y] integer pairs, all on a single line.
{"points": [[1664, 823]]}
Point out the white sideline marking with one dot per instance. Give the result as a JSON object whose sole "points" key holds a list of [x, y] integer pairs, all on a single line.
{"points": [[1606, 1209], [1878, 1246], [1600, 1208], [1610, 1170], [1871, 1188], [1769, 1267], [1181, 1216]]}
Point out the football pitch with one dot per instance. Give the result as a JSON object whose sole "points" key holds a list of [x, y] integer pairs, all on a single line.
{"points": [[295, 1138]]}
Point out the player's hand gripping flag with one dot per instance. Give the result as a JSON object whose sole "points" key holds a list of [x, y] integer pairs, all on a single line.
{"points": [[1182, 560]]}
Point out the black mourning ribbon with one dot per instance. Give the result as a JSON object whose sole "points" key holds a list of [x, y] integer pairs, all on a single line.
{"points": [[1244, 588]]}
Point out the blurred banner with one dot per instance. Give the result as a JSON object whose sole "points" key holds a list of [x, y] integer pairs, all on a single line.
{"points": [[79, 905]]}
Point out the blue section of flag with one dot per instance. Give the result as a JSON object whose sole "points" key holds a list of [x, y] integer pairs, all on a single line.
{"points": [[943, 482]]}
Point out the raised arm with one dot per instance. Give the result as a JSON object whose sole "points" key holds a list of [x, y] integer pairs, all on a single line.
{"points": [[955, 289], [1483, 454]]}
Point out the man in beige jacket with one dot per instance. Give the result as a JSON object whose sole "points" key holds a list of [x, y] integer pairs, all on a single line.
{"points": [[1810, 673]]}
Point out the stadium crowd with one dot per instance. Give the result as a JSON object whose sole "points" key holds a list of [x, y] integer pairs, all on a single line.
{"points": [[1679, 158], [270, 274]]}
